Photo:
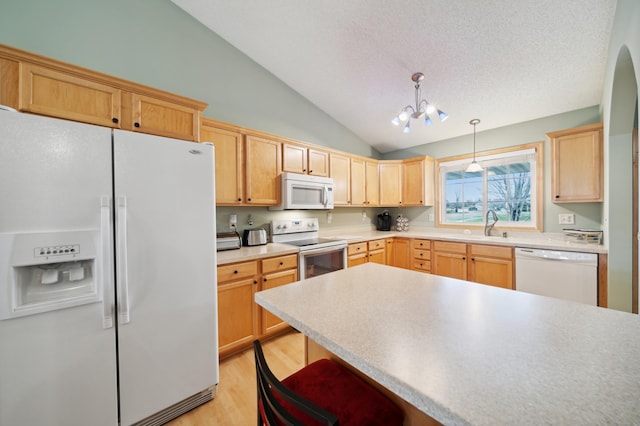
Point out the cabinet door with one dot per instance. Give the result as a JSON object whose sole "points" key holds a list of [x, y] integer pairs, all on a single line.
{"points": [[356, 259], [294, 158], [358, 185], [491, 265], [339, 170], [263, 165], [159, 117], [413, 183], [492, 271], [271, 323], [318, 162], [390, 180], [47, 92], [229, 173], [237, 315], [576, 165], [377, 256], [372, 186], [451, 265], [449, 259], [402, 253]]}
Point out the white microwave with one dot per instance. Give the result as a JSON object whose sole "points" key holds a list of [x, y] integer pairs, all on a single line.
{"points": [[304, 192]]}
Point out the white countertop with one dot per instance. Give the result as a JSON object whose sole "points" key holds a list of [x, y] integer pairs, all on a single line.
{"points": [[467, 353], [245, 254], [551, 241]]}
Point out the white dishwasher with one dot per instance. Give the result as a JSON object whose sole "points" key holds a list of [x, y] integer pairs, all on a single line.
{"points": [[562, 274]]}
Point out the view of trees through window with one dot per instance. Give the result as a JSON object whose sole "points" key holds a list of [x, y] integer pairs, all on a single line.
{"points": [[505, 188]]}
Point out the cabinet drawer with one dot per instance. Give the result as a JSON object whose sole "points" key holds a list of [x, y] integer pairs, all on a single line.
{"points": [[377, 244], [460, 248], [492, 251], [237, 271], [422, 265], [280, 263], [357, 248], [421, 244], [422, 254]]}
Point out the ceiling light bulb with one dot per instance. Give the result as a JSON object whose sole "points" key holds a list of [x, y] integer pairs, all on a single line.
{"points": [[473, 167], [396, 121], [407, 128], [430, 108], [443, 115], [427, 121], [403, 115]]}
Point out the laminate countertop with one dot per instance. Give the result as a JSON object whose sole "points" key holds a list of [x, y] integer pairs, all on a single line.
{"points": [[245, 254], [466, 353]]}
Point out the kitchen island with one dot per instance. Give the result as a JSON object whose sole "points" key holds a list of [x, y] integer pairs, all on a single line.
{"points": [[464, 353]]}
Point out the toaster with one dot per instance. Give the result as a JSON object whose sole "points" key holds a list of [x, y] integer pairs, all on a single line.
{"points": [[254, 237]]}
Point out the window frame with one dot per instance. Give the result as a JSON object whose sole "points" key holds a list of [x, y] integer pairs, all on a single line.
{"points": [[539, 187]]}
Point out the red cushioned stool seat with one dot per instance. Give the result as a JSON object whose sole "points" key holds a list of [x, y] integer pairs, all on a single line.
{"points": [[339, 391]]}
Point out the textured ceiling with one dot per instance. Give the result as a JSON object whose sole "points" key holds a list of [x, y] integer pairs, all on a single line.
{"points": [[501, 61]]}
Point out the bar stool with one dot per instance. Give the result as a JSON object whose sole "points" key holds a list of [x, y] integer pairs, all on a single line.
{"points": [[322, 393]]}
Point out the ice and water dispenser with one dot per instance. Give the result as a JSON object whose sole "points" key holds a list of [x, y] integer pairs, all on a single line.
{"points": [[42, 272]]}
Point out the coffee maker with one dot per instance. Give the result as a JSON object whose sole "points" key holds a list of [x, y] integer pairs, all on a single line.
{"points": [[384, 221]]}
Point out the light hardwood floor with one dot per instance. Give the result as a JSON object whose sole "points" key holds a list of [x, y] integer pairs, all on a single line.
{"points": [[235, 402]]}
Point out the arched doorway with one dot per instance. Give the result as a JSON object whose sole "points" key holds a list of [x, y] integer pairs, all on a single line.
{"points": [[623, 181]]}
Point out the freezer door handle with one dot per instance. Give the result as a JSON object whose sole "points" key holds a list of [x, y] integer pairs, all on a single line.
{"points": [[107, 262], [123, 276]]}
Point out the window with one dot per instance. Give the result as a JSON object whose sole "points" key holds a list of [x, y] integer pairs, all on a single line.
{"points": [[510, 184]]}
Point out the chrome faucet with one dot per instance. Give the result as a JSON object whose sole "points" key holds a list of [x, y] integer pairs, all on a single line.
{"points": [[487, 226]]}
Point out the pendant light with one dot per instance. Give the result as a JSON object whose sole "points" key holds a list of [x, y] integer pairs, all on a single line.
{"points": [[474, 167]]}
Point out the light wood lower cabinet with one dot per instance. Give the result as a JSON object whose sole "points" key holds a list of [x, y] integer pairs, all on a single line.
{"points": [[372, 251], [356, 254], [421, 255], [399, 252], [276, 272], [376, 252], [491, 265], [449, 259], [237, 312], [240, 319]]}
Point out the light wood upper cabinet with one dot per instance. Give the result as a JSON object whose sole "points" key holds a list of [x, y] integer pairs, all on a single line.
{"points": [[372, 184], [418, 181], [340, 171], [576, 164], [301, 159], [58, 94], [263, 165], [40, 85], [229, 154], [318, 162], [159, 117], [390, 180], [358, 181]]}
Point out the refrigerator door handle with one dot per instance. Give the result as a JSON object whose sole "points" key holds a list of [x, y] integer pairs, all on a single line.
{"points": [[106, 262], [123, 279]]}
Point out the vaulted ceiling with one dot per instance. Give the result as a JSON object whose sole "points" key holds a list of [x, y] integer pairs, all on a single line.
{"points": [[501, 61]]}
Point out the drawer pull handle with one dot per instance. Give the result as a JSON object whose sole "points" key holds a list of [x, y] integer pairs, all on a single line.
{"points": [[235, 272], [264, 279], [281, 263]]}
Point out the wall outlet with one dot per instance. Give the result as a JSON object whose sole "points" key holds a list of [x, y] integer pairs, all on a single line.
{"points": [[233, 221], [329, 217], [431, 218], [566, 219]]}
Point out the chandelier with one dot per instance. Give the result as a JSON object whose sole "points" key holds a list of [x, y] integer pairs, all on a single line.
{"points": [[421, 110]]}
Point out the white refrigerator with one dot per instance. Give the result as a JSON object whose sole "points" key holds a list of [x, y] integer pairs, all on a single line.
{"points": [[108, 309]]}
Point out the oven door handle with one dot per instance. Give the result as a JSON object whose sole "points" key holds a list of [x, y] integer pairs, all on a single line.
{"points": [[323, 250]]}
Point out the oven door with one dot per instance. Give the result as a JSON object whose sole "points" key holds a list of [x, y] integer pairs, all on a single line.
{"points": [[321, 261]]}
